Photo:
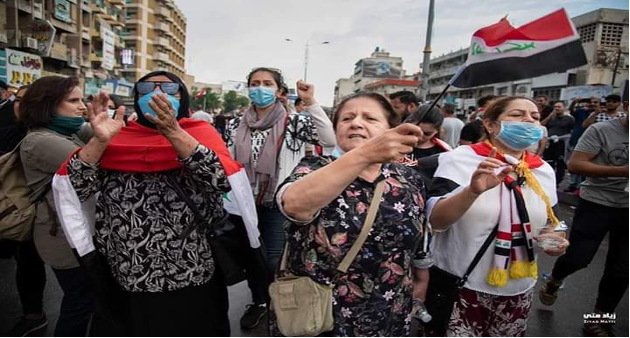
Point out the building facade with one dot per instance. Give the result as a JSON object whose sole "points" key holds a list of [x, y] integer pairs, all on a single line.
{"points": [[604, 36], [108, 44], [156, 32], [389, 86], [378, 66]]}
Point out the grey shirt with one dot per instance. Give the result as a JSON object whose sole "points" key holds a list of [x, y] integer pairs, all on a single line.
{"points": [[452, 130], [609, 142]]}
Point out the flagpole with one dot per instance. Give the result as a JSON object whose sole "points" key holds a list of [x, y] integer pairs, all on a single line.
{"points": [[435, 101]]}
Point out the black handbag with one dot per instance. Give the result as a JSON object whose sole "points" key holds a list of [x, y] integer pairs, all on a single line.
{"points": [[226, 240], [444, 290]]}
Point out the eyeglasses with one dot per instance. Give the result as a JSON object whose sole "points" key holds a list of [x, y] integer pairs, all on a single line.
{"points": [[146, 87]]}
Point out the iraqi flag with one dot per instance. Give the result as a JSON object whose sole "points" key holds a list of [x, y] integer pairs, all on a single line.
{"points": [[140, 149], [500, 52]]}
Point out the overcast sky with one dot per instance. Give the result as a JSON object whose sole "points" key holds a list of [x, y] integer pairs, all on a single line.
{"points": [[227, 38]]}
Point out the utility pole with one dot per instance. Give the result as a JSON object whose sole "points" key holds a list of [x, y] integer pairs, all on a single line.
{"points": [[614, 75], [305, 60], [424, 78]]}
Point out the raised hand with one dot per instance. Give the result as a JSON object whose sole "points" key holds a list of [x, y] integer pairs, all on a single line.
{"points": [[392, 145], [306, 92], [165, 122], [485, 178], [103, 126]]}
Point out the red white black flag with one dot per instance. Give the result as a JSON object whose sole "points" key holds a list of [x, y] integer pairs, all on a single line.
{"points": [[500, 52]]}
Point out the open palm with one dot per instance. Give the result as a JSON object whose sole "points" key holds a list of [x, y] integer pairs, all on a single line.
{"points": [[103, 126]]}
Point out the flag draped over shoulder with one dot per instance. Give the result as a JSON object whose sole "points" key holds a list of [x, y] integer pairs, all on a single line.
{"points": [[140, 149], [500, 52]]}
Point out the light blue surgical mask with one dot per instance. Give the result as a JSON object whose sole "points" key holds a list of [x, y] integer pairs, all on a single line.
{"points": [[337, 152], [262, 96], [144, 100], [519, 135]]}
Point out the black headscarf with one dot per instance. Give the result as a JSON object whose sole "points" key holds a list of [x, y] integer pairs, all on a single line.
{"points": [[184, 101]]}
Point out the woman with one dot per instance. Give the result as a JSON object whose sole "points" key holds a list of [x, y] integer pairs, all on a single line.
{"points": [[374, 298], [476, 188], [143, 225], [116, 102], [430, 121], [269, 142], [52, 110]]}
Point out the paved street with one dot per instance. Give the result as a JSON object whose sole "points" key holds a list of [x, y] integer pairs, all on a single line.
{"points": [[563, 319]]}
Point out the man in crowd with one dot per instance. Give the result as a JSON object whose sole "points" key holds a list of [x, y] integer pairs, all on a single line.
{"points": [[404, 103], [300, 105], [580, 109], [10, 132], [451, 127], [483, 103], [543, 107], [612, 105], [201, 115], [559, 126], [602, 156]]}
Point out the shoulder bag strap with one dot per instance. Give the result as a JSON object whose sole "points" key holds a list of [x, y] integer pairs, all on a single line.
{"points": [[479, 254], [367, 226]]}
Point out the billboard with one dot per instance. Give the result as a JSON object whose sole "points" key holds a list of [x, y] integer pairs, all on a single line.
{"points": [[22, 68], [381, 69], [570, 93], [109, 54]]}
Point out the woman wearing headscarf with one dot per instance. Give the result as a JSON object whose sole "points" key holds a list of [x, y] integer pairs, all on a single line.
{"points": [[143, 227]]}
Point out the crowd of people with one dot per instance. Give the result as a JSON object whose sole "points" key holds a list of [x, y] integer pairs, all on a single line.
{"points": [[481, 188]]}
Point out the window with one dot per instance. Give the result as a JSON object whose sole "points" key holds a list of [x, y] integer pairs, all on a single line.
{"points": [[611, 34], [587, 32]]}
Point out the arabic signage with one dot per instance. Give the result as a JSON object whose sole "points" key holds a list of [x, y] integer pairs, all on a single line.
{"points": [[62, 10], [42, 31], [22, 68]]}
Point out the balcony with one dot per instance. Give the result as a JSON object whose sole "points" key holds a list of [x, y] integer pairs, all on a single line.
{"points": [[96, 57], [59, 51], [162, 26], [161, 57], [163, 42], [98, 6], [85, 62], [161, 11], [117, 2], [85, 33]]}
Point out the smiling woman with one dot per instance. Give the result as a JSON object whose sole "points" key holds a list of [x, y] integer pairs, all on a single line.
{"points": [[374, 298]]}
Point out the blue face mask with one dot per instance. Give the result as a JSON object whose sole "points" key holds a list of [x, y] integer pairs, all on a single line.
{"points": [[337, 152], [519, 135], [262, 96], [144, 100]]}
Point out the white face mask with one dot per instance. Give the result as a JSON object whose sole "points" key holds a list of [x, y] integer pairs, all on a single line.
{"points": [[111, 112]]}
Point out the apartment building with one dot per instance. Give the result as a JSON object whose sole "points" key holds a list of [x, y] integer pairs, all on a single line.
{"points": [[156, 31]]}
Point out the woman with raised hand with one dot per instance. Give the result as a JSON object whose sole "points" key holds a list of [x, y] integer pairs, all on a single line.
{"points": [[156, 249], [326, 201]]}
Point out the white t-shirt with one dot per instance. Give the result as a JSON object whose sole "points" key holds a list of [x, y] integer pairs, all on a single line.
{"points": [[455, 247], [452, 130]]}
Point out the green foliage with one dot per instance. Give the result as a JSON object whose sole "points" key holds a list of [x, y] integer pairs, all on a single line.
{"points": [[232, 101]]}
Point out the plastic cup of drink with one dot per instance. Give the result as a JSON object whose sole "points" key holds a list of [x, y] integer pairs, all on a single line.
{"points": [[549, 242]]}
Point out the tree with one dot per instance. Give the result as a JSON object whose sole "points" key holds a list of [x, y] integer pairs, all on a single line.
{"points": [[210, 101], [232, 101]]}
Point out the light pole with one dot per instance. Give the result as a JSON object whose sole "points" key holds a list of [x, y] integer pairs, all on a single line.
{"points": [[306, 46], [424, 80]]}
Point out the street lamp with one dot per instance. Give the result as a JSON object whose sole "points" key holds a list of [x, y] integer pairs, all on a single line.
{"points": [[306, 46]]}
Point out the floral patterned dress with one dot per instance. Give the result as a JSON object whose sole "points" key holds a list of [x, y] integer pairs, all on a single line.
{"points": [[374, 298]]}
